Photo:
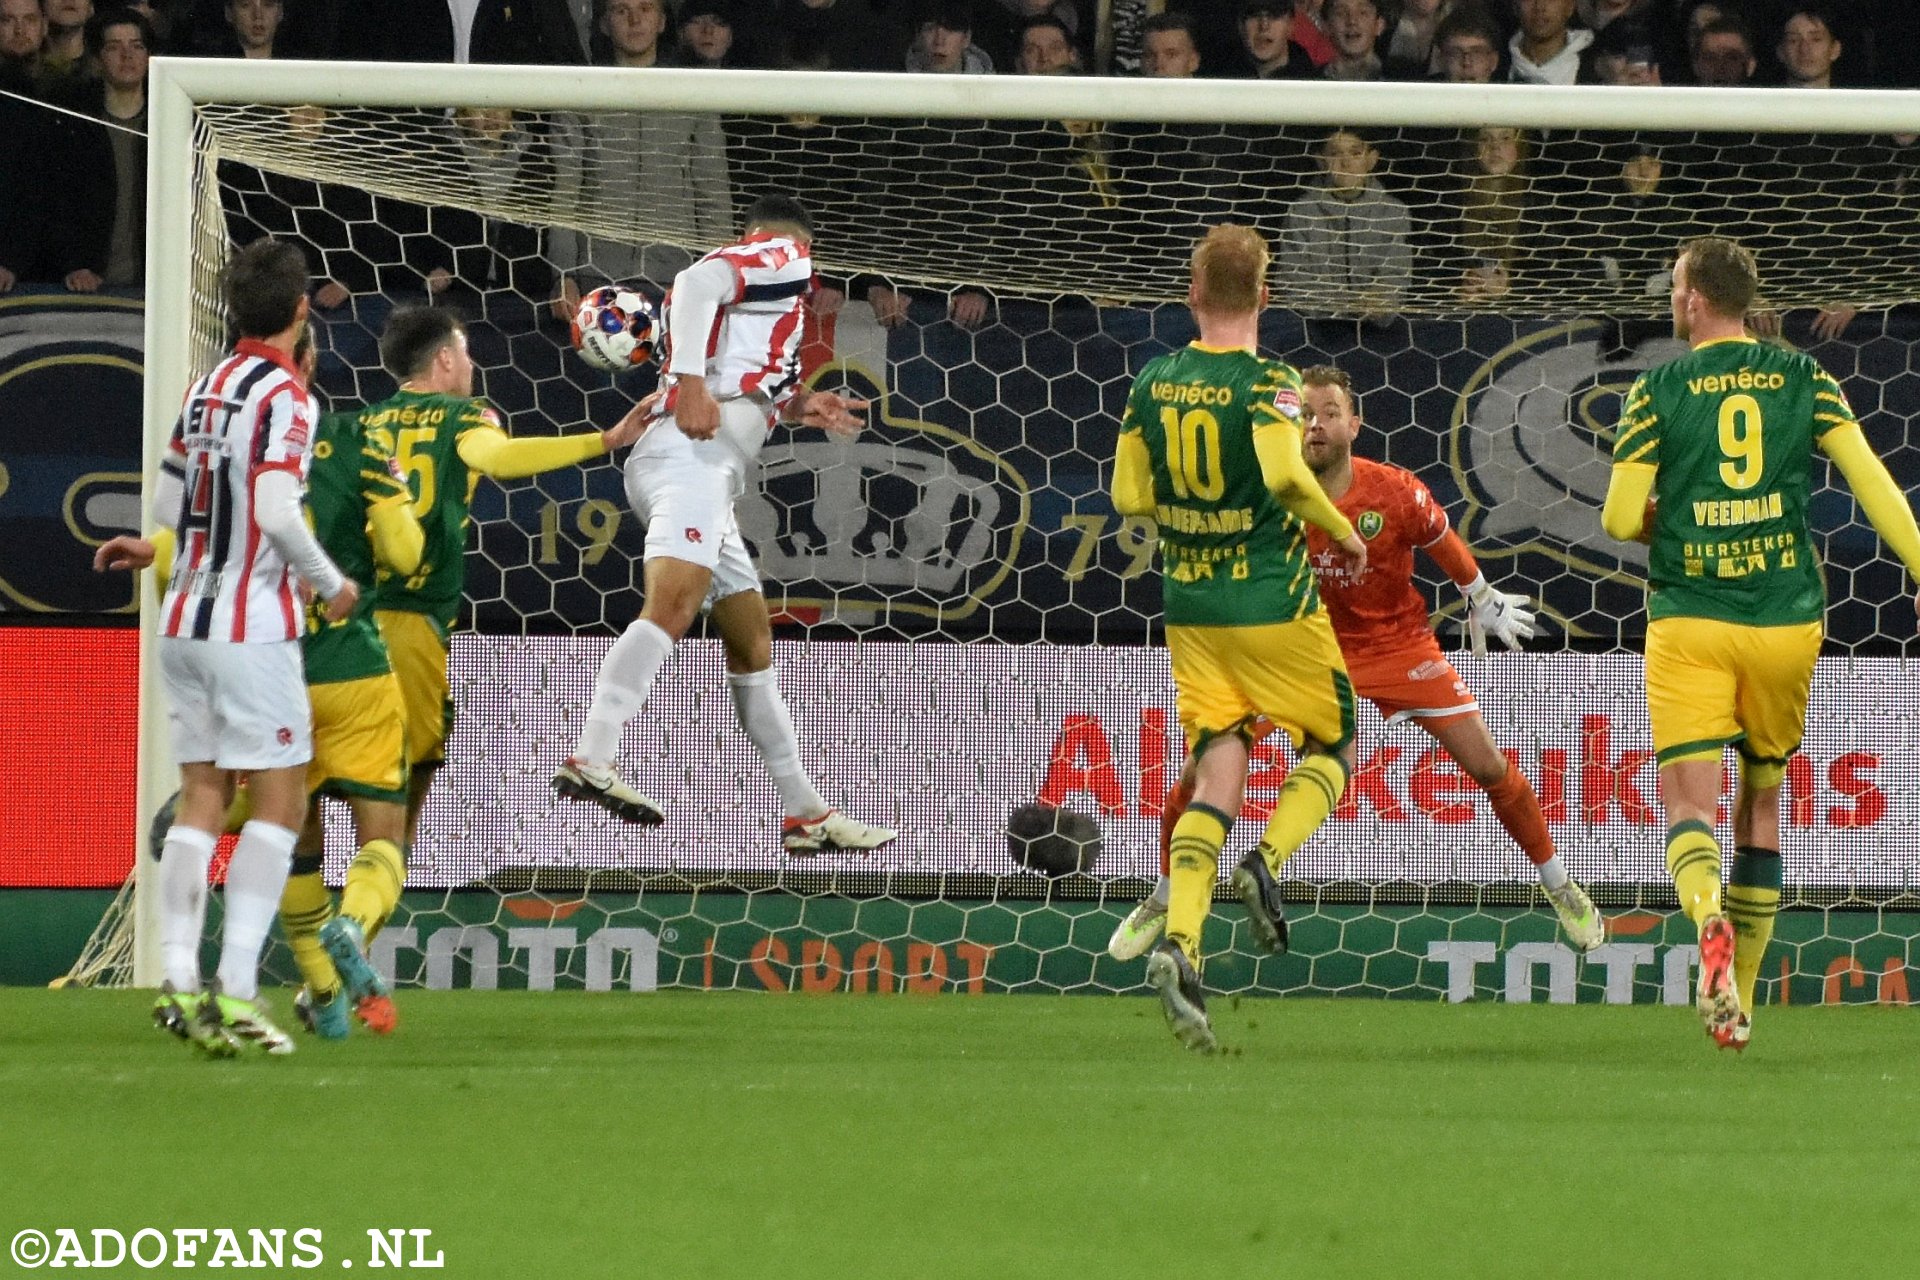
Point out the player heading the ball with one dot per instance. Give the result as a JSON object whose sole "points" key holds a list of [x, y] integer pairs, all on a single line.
{"points": [[1721, 440], [1210, 449], [733, 322]]}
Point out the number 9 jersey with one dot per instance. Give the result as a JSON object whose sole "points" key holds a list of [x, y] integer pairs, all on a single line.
{"points": [[1217, 423], [1729, 431]]}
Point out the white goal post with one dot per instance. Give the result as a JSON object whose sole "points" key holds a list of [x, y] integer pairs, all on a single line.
{"points": [[185, 233]]}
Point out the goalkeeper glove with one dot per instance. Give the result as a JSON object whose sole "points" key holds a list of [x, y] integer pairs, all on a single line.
{"points": [[1489, 612]]}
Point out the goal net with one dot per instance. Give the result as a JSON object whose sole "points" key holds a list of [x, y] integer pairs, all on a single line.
{"points": [[963, 623]]}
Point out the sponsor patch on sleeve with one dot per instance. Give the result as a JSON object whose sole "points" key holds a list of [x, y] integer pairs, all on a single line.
{"points": [[1287, 401]]}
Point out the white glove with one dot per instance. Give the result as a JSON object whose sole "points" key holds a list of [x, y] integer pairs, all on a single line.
{"points": [[1489, 612]]}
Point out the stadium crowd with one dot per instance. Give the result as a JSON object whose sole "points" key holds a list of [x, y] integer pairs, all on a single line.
{"points": [[1367, 215]]}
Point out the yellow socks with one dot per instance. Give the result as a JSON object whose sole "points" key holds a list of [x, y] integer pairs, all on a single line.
{"points": [[305, 905], [374, 880], [1753, 899], [1693, 859], [1306, 798], [1193, 860]]}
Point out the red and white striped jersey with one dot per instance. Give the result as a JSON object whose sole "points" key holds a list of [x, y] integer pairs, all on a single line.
{"points": [[250, 414], [754, 348]]}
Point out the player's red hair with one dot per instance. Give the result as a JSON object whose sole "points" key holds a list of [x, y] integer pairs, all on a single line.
{"points": [[1230, 267]]}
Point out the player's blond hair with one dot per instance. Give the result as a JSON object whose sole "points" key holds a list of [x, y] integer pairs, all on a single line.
{"points": [[1229, 268], [1723, 272]]}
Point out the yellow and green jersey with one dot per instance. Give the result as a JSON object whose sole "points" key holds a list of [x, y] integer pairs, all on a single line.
{"points": [[352, 472], [426, 429], [1232, 555], [1730, 430]]}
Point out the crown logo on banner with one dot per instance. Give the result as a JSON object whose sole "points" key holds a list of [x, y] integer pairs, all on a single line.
{"points": [[910, 517]]}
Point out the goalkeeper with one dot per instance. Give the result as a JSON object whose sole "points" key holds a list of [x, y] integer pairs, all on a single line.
{"points": [[1392, 656], [1210, 447], [1722, 442]]}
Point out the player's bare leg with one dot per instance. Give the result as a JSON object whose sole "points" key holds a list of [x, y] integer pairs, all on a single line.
{"points": [[811, 825], [675, 591], [1753, 889], [1464, 737], [1173, 970], [1690, 791]]}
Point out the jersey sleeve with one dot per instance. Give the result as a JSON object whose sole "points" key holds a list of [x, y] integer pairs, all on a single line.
{"points": [[1426, 519], [289, 430], [381, 479], [1830, 407], [1636, 440], [1133, 463]]}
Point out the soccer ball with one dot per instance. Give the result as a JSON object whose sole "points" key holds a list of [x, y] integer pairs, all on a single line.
{"points": [[614, 329]]}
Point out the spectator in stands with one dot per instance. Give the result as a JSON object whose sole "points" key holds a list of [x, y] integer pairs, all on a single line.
{"points": [[1624, 54], [628, 33], [104, 229], [1634, 225], [707, 31], [1490, 236], [63, 54], [1266, 35], [1046, 49], [1170, 49], [501, 157], [1468, 46], [253, 26], [850, 35], [24, 151], [1354, 27], [1723, 57], [1000, 26], [945, 44], [531, 32], [1345, 250], [1808, 47], [1547, 47], [1411, 52], [678, 159]]}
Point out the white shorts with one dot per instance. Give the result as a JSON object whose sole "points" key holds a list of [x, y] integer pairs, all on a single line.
{"points": [[237, 706], [685, 490]]}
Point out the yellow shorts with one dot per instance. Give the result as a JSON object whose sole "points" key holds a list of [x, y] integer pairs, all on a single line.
{"points": [[359, 739], [1288, 673], [1712, 683], [419, 655]]}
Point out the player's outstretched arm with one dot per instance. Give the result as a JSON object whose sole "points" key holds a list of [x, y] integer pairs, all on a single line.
{"points": [[1506, 617], [277, 509], [1886, 507], [1276, 442], [498, 456]]}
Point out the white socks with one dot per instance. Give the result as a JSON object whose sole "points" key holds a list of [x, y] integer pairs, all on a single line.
{"points": [[255, 880], [1553, 873], [184, 859], [769, 726], [620, 690]]}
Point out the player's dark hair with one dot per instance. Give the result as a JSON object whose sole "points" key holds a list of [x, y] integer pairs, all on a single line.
{"points": [[263, 286], [303, 350], [1326, 375], [1723, 272], [784, 211], [413, 336], [119, 16]]}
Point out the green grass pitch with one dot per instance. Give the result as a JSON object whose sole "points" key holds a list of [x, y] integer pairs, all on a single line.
{"points": [[719, 1135]]}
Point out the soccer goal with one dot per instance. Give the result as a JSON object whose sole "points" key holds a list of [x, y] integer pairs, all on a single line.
{"points": [[964, 623]]}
